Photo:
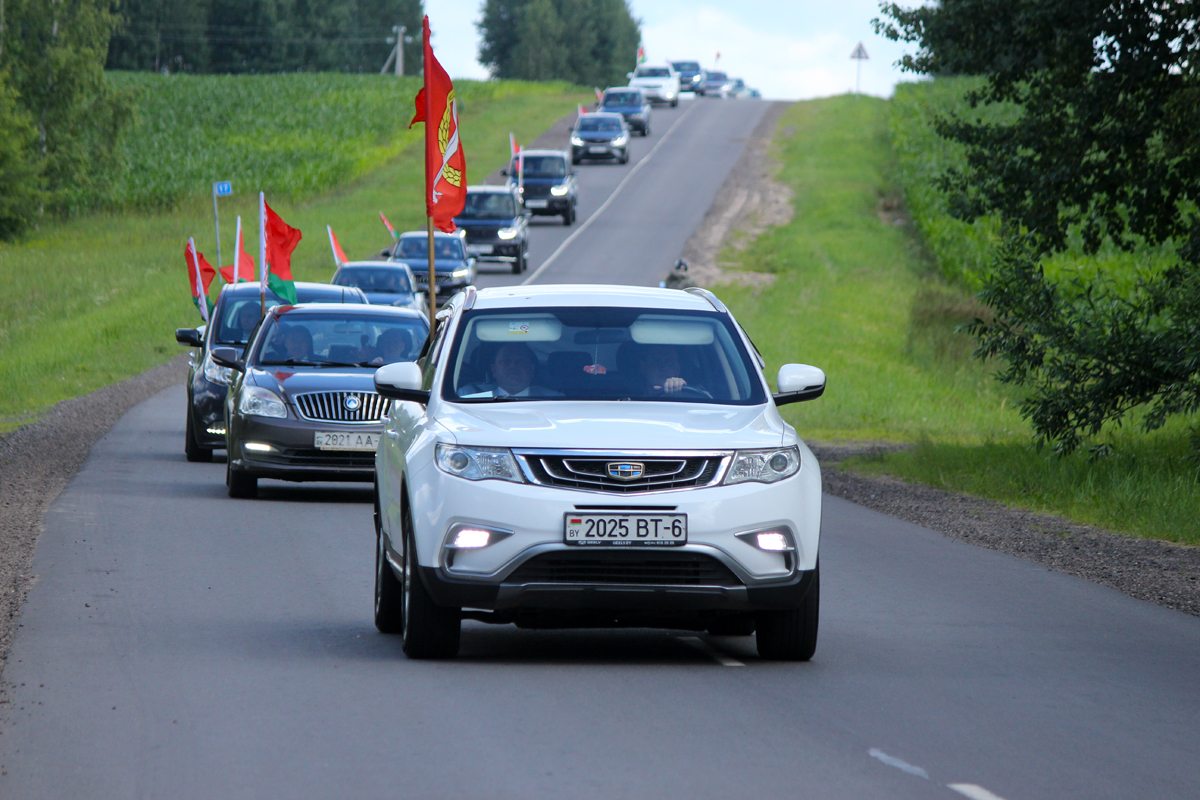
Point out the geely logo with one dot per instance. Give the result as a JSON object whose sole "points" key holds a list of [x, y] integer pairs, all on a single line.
{"points": [[352, 402], [625, 470]]}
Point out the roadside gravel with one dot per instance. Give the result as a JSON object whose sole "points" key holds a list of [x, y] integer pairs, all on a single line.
{"points": [[37, 461]]}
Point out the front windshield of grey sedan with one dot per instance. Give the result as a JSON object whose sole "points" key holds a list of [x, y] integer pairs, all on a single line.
{"points": [[605, 124], [653, 72], [328, 340], [418, 247], [489, 205], [381, 280], [622, 99], [600, 354], [542, 166]]}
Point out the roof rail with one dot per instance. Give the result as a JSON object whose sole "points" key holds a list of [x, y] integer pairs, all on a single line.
{"points": [[709, 296]]}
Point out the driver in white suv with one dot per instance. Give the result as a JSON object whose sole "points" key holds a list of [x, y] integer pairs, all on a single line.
{"points": [[579, 456]]}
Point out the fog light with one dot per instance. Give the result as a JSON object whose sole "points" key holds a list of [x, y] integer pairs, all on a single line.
{"points": [[470, 538], [257, 447], [217, 430], [772, 540]]}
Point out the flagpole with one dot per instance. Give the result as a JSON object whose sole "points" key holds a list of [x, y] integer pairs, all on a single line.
{"points": [[237, 251], [262, 254], [432, 281]]}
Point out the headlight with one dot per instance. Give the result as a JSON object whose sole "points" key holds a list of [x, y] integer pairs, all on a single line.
{"points": [[575, 140], [478, 463], [259, 402], [763, 466], [559, 191], [460, 273], [215, 373], [620, 140], [507, 233]]}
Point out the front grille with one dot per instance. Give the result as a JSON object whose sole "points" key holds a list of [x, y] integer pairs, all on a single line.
{"points": [[331, 407], [624, 566], [422, 278], [481, 234], [537, 190], [592, 472]]}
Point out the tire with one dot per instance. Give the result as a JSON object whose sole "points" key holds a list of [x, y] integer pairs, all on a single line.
{"points": [[429, 630], [625, 157], [524, 261], [518, 266], [569, 215], [239, 485], [791, 635], [741, 625], [646, 131], [675, 103], [389, 591], [191, 448]]}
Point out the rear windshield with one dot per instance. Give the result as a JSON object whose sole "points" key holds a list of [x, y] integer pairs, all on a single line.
{"points": [[653, 72], [418, 247], [600, 354], [623, 99], [686, 66], [323, 340], [542, 166], [718, 76], [489, 205], [382, 280], [599, 124]]}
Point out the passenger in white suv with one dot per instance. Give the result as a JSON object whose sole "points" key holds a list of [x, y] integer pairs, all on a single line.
{"points": [[579, 456]]}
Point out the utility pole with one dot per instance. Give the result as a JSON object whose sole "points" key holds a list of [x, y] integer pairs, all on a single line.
{"points": [[400, 31]]}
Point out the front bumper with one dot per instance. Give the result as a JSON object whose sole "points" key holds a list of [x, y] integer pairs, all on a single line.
{"points": [[207, 407], [597, 150], [293, 457], [496, 249], [554, 205], [659, 94]]}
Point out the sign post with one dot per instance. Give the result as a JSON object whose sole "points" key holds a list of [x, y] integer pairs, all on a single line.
{"points": [[859, 55], [220, 189]]}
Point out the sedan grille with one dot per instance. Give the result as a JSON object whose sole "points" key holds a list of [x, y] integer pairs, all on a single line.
{"points": [[624, 567], [361, 407], [604, 473], [422, 278]]}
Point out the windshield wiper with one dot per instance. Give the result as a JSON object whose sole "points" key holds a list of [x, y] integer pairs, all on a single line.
{"points": [[291, 362]]}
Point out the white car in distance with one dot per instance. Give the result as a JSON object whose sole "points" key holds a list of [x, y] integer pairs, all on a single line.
{"points": [[595, 456], [658, 82]]}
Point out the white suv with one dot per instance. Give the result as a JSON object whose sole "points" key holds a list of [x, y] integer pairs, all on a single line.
{"points": [[591, 456], [658, 82]]}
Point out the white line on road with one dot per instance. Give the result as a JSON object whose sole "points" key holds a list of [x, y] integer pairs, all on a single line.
{"points": [[974, 792], [611, 197], [710, 651], [892, 761]]}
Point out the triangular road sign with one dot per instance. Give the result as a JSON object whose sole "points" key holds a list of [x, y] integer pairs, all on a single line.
{"points": [[860, 52]]}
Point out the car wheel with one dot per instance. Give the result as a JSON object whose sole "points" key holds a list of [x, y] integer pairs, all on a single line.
{"points": [[646, 131], [576, 161], [518, 266], [569, 215], [389, 591], [625, 157], [740, 625], [429, 630], [240, 485], [191, 449], [675, 102], [791, 635]]}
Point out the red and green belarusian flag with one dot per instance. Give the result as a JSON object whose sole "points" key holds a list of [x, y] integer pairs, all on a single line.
{"points": [[242, 268], [200, 276], [339, 256], [277, 241]]}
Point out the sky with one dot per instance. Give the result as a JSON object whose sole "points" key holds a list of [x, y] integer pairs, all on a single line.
{"points": [[788, 49]]}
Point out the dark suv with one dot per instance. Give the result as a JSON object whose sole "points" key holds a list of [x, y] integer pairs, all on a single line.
{"points": [[234, 318], [495, 225], [548, 186]]}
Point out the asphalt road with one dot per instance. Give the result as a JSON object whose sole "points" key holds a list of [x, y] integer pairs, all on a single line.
{"points": [[180, 644]]}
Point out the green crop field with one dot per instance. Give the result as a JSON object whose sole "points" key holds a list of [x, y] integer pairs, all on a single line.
{"points": [[876, 304], [88, 301]]}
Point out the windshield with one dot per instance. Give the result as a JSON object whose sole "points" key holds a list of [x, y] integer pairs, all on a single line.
{"points": [[601, 124], [600, 354], [653, 72], [718, 76], [542, 166], [321, 340], [623, 99], [686, 66], [443, 247], [489, 205], [382, 280], [238, 319]]}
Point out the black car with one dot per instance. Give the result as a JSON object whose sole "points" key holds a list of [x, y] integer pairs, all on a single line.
{"points": [[630, 104], [549, 186], [600, 136], [455, 267], [302, 405], [691, 76], [233, 319], [383, 282], [495, 225]]}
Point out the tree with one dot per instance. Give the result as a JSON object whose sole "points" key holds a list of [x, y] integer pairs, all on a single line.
{"points": [[1105, 151], [20, 168], [540, 52], [161, 35]]}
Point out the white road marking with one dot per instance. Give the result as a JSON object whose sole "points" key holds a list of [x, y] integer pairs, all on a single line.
{"points": [[892, 761], [710, 651], [974, 792], [533, 275]]}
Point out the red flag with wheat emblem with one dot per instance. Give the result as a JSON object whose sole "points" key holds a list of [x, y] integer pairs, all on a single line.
{"points": [[445, 163]]}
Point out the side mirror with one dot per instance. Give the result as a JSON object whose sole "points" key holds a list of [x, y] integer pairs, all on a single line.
{"points": [[628, 74], [189, 336], [401, 381], [228, 357], [798, 382]]}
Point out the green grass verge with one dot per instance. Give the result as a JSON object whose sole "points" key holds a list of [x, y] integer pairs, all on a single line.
{"points": [[90, 301], [862, 298]]}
